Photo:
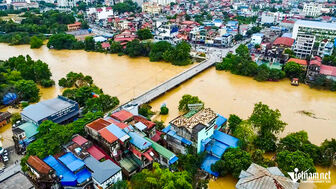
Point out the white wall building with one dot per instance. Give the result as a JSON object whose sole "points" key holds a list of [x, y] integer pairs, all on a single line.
{"points": [[162, 2], [310, 33], [312, 9]]}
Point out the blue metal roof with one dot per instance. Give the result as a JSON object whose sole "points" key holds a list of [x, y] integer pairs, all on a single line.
{"points": [[115, 130], [140, 126], [166, 129], [9, 98], [173, 160], [68, 178], [206, 165], [176, 136], [216, 148], [72, 162], [138, 141], [220, 120], [226, 139]]}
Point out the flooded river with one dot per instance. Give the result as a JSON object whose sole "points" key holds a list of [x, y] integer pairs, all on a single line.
{"points": [[225, 93]]}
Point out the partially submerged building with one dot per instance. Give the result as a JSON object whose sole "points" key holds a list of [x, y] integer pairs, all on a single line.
{"points": [[191, 128], [59, 110]]}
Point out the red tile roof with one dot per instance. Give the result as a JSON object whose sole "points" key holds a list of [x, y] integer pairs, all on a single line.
{"points": [[79, 140], [143, 120], [98, 124], [122, 115], [39, 165], [328, 70], [299, 61], [108, 136], [316, 61], [286, 41], [94, 151], [121, 125]]}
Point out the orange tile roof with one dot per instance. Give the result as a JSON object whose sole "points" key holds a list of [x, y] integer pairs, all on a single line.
{"points": [[38, 165], [98, 124], [299, 61], [108, 136], [121, 125]]}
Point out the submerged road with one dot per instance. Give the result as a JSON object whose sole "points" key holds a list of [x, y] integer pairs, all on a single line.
{"points": [[214, 55]]}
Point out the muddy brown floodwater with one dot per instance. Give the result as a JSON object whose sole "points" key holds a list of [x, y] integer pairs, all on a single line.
{"points": [[225, 93]]}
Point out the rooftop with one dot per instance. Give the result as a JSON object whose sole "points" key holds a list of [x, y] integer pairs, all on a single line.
{"points": [[39, 165], [102, 171], [79, 140], [16, 181], [328, 70], [108, 136], [272, 178], [71, 161], [44, 109], [162, 151], [29, 128], [204, 116], [299, 61], [286, 41], [138, 141], [122, 115], [315, 24], [98, 124]]}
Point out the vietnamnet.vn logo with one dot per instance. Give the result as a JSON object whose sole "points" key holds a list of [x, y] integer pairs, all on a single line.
{"points": [[309, 177]]}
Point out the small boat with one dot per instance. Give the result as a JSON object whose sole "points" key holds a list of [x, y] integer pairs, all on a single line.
{"points": [[295, 82]]}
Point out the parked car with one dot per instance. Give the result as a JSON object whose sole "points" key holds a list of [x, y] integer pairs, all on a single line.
{"points": [[5, 159]]}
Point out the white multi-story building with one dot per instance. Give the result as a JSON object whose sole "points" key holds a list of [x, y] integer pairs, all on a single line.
{"points": [[162, 2], [312, 9], [309, 35]]}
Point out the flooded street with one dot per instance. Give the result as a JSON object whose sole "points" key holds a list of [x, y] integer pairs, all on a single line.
{"points": [[225, 93]]}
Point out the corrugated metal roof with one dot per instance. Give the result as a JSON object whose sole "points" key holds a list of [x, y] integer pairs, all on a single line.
{"points": [[161, 150], [138, 141], [29, 128], [102, 171], [44, 109]]}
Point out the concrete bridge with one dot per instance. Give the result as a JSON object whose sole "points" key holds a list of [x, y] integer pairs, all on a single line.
{"points": [[214, 55]]}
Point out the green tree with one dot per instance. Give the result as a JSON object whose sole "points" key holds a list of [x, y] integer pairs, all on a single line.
{"points": [[188, 99], [158, 49], [126, 6], [263, 73], [35, 42], [244, 132], [89, 43], [116, 47], [293, 70], [135, 48], [180, 55], [233, 161], [61, 41], [27, 90], [266, 119], [160, 178], [258, 158], [234, 122], [288, 161], [266, 141], [103, 103], [145, 110], [144, 34], [243, 52], [328, 150], [164, 110]]}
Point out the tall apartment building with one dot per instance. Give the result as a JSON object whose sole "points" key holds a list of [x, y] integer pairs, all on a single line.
{"points": [[309, 34], [312, 9]]}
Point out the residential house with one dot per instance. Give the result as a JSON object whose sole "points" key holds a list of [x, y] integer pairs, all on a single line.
{"points": [[275, 51], [165, 157], [75, 26], [23, 135], [191, 128], [41, 173], [303, 63]]}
